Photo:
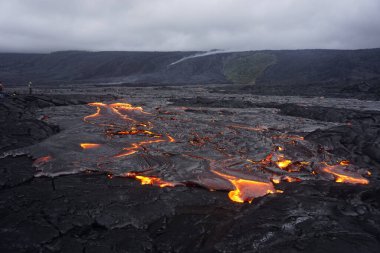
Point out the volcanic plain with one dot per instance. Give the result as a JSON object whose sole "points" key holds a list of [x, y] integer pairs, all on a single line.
{"points": [[187, 169]]}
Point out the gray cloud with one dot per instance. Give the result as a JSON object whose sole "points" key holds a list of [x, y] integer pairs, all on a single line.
{"points": [[50, 25]]}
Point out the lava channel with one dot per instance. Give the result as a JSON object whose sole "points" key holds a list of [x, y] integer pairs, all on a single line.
{"points": [[246, 190]]}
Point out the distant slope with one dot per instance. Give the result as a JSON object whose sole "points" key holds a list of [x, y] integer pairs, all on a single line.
{"points": [[77, 66], [315, 66], [263, 68], [245, 69]]}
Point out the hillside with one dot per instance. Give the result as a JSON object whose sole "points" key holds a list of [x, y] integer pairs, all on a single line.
{"points": [[346, 69]]}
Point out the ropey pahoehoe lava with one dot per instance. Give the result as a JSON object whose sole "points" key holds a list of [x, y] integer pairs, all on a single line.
{"points": [[169, 148]]}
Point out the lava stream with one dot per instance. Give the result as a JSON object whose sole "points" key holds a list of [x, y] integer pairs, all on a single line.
{"points": [[146, 180], [42, 160], [97, 113], [344, 177], [246, 190], [89, 145]]}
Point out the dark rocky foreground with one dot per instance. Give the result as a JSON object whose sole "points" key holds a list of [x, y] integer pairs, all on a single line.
{"points": [[91, 212]]}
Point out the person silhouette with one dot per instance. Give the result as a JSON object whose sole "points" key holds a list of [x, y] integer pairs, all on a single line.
{"points": [[30, 87]]}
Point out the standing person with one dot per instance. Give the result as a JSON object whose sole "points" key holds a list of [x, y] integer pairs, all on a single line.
{"points": [[30, 87]]}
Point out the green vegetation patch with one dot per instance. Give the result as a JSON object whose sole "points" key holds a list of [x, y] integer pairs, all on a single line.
{"points": [[245, 69]]}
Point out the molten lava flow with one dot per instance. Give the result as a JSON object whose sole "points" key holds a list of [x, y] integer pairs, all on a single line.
{"points": [[97, 104], [280, 161], [97, 113], [340, 177], [89, 145], [126, 107], [130, 152], [151, 180], [135, 146], [246, 190], [128, 122], [291, 179], [277, 179], [148, 142], [42, 160], [135, 131], [265, 162], [171, 139], [282, 164], [117, 108]]}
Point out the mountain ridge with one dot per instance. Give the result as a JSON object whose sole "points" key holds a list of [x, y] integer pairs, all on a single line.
{"points": [[265, 67]]}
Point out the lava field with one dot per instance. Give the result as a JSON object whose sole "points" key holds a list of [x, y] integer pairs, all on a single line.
{"points": [[188, 169]]}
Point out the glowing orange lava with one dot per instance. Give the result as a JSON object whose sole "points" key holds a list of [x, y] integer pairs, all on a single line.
{"points": [[97, 113], [145, 180], [345, 178], [291, 179], [126, 106], [133, 148], [89, 145], [42, 160], [282, 164], [277, 179], [130, 152], [171, 139], [117, 108], [135, 131], [246, 190]]}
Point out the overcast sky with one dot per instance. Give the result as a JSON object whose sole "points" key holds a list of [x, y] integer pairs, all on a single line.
{"points": [[155, 25]]}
